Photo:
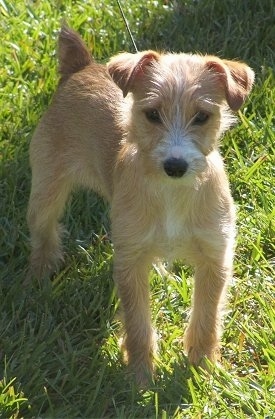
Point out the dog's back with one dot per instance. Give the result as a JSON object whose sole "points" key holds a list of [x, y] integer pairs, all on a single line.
{"points": [[68, 148], [83, 116]]}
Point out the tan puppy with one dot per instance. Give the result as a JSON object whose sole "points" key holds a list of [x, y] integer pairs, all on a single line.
{"points": [[154, 156]]}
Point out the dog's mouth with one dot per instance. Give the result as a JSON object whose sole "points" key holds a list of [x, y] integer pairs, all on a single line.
{"points": [[175, 167]]}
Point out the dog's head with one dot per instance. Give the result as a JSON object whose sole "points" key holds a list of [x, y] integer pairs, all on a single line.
{"points": [[181, 105]]}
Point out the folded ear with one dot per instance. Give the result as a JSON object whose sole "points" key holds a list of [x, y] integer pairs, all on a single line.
{"points": [[236, 79], [127, 70]]}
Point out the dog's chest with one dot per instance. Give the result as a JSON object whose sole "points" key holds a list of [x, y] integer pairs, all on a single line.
{"points": [[173, 223], [177, 232], [175, 219]]}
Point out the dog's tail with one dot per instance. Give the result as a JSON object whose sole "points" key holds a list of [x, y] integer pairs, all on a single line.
{"points": [[72, 52]]}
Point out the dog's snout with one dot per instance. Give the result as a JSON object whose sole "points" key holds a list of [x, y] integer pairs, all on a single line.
{"points": [[175, 167]]}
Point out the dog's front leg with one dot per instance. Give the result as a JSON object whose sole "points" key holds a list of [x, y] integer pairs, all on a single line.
{"points": [[203, 332], [131, 270]]}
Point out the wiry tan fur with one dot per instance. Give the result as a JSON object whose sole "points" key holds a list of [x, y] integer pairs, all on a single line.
{"points": [[99, 132]]}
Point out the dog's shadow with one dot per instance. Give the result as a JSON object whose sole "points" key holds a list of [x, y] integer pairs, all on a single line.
{"points": [[72, 333], [71, 347], [169, 393]]}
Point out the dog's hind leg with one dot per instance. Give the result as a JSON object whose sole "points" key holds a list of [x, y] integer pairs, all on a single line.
{"points": [[47, 200]]}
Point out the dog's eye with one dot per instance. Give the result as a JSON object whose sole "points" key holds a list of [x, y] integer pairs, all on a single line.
{"points": [[153, 116], [200, 118]]}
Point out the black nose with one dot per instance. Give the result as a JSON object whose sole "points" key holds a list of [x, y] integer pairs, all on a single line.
{"points": [[175, 167]]}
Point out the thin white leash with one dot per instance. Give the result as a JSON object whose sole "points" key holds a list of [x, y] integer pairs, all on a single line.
{"points": [[127, 25]]}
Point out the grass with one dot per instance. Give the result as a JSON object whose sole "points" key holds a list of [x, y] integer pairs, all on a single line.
{"points": [[58, 341]]}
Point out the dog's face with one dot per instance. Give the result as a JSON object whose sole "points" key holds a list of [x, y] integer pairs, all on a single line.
{"points": [[181, 105]]}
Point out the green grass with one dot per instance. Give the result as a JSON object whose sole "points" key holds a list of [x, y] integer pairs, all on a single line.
{"points": [[58, 341]]}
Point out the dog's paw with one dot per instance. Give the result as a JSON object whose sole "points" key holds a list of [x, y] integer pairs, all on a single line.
{"points": [[42, 266], [140, 367], [203, 358], [201, 349], [142, 374]]}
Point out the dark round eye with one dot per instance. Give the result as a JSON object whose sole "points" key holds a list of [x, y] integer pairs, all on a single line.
{"points": [[200, 118], [153, 116]]}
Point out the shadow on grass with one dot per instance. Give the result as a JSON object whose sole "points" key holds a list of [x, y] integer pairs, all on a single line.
{"points": [[61, 341], [53, 337], [231, 29]]}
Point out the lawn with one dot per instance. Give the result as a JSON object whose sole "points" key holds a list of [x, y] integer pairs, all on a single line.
{"points": [[59, 355]]}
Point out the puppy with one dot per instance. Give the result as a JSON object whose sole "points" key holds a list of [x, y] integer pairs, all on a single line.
{"points": [[143, 132]]}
